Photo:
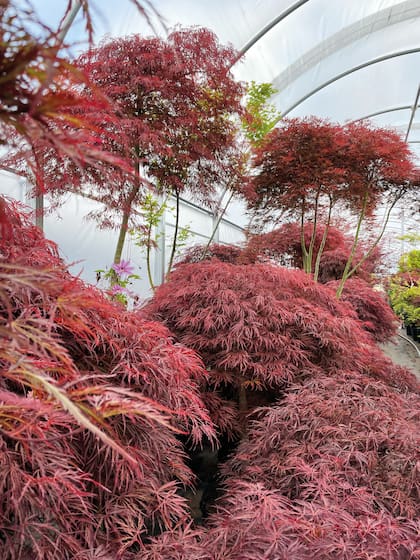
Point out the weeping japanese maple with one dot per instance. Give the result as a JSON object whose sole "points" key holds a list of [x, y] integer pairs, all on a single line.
{"points": [[328, 469], [92, 402], [371, 307], [259, 327], [330, 472]]}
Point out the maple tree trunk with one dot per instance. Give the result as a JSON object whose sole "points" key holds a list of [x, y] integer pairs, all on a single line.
{"points": [[148, 267], [313, 236], [121, 237], [353, 248], [322, 245], [123, 229], [302, 241], [242, 399]]}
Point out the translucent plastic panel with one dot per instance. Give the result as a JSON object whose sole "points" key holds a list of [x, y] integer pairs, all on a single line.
{"points": [[388, 84], [236, 212], [196, 219], [11, 185], [83, 245], [400, 83], [317, 41], [228, 233]]}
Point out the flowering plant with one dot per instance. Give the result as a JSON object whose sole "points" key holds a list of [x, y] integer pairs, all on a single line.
{"points": [[120, 276]]}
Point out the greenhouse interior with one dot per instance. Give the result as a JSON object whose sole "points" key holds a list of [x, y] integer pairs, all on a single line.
{"points": [[210, 280]]}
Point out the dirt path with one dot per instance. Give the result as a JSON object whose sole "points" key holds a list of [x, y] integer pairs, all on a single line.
{"points": [[404, 352]]}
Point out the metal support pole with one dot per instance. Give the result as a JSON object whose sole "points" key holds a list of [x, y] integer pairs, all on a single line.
{"points": [[413, 112]]}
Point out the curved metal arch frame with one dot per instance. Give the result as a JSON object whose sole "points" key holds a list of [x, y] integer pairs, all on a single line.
{"points": [[413, 108], [270, 26], [382, 112], [347, 73], [403, 11]]}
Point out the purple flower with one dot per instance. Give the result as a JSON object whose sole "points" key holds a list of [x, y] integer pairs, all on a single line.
{"points": [[123, 268], [117, 289]]}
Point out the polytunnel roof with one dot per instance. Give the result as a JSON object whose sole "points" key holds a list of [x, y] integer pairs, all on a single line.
{"points": [[338, 59]]}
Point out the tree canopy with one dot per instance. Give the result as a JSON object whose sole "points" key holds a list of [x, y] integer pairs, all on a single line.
{"points": [[308, 169]]}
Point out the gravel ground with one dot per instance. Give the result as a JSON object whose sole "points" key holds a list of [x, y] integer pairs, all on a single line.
{"points": [[404, 352]]}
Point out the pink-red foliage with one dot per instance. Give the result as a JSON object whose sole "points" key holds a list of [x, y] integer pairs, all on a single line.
{"points": [[224, 253], [283, 246], [170, 118], [41, 99], [309, 164], [333, 263], [331, 472], [298, 162], [260, 328], [69, 356], [373, 311]]}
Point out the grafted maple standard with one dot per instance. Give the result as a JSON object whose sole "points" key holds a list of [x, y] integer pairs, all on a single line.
{"points": [[308, 168]]}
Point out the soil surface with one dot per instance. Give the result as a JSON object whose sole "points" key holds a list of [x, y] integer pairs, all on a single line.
{"points": [[404, 352]]}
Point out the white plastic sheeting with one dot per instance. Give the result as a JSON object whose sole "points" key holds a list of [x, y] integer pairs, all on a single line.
{"points": [[338, 59]]}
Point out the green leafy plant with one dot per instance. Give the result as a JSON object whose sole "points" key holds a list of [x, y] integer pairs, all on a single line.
{"points": [[410, 261], [149, 235], [118, 279], [261, 115], [404, 295]]}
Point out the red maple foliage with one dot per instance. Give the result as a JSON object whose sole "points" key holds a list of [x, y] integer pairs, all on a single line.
{"points": [[172, 103], [224, 253], [329, 471], [299, 162], [92, 402], [371, 307], [39, 93], [260, 328], [307, 168], [283, 246]]}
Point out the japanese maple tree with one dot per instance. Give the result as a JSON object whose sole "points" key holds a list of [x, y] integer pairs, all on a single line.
{"points": [[308, 168], [371, 307], [260, 327], [327, 468], [93, 400], [299, 172], [173, 103], [383, 173], [329, 472]]}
